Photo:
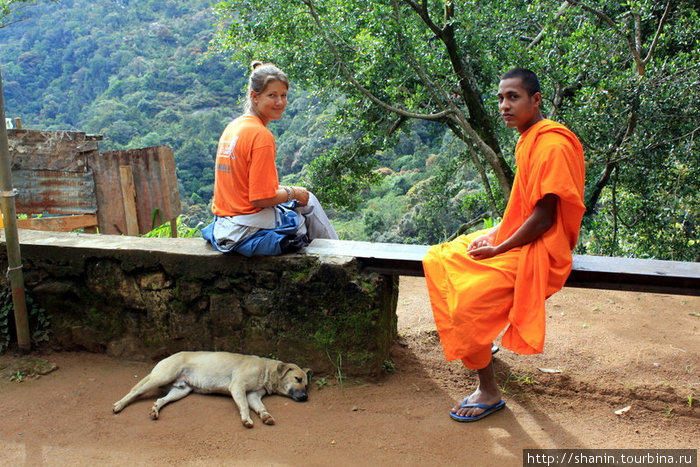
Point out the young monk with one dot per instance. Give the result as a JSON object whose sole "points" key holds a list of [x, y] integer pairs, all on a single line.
{"points": [[481, 283]]}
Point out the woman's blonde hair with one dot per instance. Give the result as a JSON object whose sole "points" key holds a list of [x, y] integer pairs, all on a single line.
{"points": [[261, 75]]}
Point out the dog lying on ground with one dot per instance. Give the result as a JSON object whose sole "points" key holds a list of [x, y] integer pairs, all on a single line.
{"points": [[246, 377]]}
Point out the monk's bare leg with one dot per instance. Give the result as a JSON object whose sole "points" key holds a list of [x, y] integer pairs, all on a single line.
{"points": [[487, 393]]}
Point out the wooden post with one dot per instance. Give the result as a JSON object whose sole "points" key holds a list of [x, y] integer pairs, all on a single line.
{"points": [[18, 123], [14, 257], [126, 178]]}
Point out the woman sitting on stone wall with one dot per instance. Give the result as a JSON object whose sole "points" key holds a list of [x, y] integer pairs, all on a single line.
{"points": [[254, 215]]}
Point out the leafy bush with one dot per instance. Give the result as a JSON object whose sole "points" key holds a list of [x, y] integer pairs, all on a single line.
{"points": [[39, 321]]}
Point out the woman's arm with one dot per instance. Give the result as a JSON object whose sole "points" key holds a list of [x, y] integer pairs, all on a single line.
{"points": [[283, 195]]}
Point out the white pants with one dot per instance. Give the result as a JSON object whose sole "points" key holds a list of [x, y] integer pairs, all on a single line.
{"points": [[313, 220], [313, 223]]}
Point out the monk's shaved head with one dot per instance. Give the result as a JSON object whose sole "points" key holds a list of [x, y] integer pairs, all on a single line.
{"points": [[528, 79]]}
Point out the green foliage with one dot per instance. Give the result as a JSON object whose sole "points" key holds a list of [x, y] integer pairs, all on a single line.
{"points": [[183, 230], [12, 11], [620, 73], [5, 313], [146, 73], [39, 320], [388, 60], [616, 73], [137, 73], [321, 383]]}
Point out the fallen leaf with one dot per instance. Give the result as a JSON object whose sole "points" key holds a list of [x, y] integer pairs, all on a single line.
{"points": [[623, 410], [549, 370]]}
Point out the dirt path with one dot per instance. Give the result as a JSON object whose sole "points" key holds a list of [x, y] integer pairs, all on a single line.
{"points": [[614, 350]]}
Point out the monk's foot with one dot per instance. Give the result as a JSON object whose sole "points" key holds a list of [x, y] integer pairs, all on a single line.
{"points": [[477, 397]]}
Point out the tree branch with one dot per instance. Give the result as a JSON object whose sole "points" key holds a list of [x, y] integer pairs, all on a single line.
{"points": [[425, 16], [690, 133], [633, 38], [438, 93], [561, 92], [478, 124], [612, 164], [366, 92], [477, 163], [562, 9], [627, 37], [637, 31], [468, 225], [662, 22]]}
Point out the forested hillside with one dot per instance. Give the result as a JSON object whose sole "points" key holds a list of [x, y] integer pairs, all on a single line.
{"points": [[144, 73], [133, 71], [138, 73]]}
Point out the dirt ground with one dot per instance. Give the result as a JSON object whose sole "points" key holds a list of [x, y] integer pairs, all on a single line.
{"points": [[610, 350]]}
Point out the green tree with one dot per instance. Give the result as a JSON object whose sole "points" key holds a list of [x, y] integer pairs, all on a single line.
{"points": [[393, 61], [617, 73], [12, 11], [621, 73]]}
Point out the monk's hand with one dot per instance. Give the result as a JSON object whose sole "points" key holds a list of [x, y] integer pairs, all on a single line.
{"points": [[479, 242], [483, 252], [481, 248]]}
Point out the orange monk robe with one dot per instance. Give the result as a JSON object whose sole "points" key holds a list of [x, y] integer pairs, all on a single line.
{"points": [[473, 301]]}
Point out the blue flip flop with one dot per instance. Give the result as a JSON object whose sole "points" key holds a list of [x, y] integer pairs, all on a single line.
{"points": [[488, 410]]}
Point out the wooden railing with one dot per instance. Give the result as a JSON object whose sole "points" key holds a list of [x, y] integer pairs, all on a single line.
{"points": [[594, 272]]}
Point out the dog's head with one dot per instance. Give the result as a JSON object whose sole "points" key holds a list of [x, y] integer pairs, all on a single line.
{"points": [[293, 381]]}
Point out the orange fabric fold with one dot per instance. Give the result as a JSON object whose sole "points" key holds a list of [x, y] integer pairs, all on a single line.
{"points": [[473, 301]]}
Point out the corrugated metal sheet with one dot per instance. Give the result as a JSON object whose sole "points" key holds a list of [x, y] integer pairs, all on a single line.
{"points": [[63, 172], [65, 151], [51, 192]]}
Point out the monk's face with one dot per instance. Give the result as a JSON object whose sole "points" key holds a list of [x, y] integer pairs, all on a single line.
{"points": [[518, 109]]}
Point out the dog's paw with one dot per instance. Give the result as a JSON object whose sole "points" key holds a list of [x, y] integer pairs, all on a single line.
{"points": [[267, 419], [248, 423], [117, 407], [154, 413]]}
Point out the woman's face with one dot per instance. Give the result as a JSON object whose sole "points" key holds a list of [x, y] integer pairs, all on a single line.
{"points": [[271, 102]]}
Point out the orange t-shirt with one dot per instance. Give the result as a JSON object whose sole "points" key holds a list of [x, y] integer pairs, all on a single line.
{"points": [[245, 167]]}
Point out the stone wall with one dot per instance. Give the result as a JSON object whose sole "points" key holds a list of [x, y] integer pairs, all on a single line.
{"points": [[145, 298]]}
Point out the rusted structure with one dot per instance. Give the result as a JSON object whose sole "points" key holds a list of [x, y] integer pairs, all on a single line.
{"points": [[62, 176]]}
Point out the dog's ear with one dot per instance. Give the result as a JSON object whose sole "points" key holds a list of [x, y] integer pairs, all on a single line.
{"points": [[282, 369], [309, 372]]}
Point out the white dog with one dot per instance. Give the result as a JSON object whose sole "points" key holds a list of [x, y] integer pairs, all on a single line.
{"points": [[246, 377]]}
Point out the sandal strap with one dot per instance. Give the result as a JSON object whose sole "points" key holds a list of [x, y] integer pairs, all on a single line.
{"points": [[476, 405]]}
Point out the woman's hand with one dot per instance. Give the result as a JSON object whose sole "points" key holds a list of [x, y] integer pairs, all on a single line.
{"points": [[300, 194]]}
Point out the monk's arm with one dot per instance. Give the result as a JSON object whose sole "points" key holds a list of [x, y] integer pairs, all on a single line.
{"points": [[541, 219]]}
